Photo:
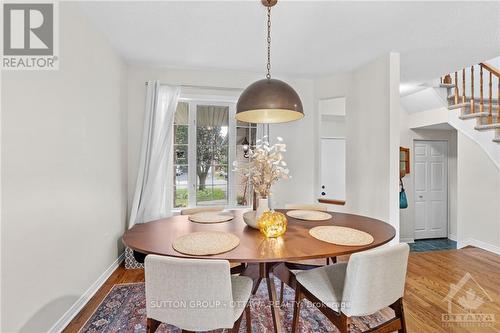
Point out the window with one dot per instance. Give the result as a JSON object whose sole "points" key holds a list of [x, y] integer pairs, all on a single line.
{"points": [[181, 150], [246, 134], [207, 139]]}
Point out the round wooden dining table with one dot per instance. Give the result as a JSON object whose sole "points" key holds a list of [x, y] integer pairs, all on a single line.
{"points": [[259, 257]]}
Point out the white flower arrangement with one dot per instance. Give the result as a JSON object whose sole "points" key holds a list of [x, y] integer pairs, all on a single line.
{"points": [[265, 167]]}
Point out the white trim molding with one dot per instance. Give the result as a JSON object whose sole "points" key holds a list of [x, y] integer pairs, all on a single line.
{"points": [[85, 298], [407, 240], [479, 244]]}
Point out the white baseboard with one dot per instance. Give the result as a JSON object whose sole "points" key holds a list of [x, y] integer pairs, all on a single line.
{"points": [[479, 244], [407, 240], [453, 237], [87, 295]]}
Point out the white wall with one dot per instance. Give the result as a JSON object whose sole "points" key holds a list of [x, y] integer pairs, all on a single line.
{"points": [[372, 122], [63, 191], [484, 139], [478, 197], [298, 135], [373, 110]]}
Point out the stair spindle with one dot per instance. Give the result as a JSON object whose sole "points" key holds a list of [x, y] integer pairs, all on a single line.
{"points": [[456, 88], [463, 86], [490, 87], [481, 94], [472, 89]]}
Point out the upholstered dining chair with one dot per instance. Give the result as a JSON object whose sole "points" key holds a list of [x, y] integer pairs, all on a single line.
{"points": [[371, 281], [319, 207], [191, 211], [195, 294]]}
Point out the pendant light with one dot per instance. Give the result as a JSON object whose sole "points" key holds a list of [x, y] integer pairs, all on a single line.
{"points": [[269, 100]]}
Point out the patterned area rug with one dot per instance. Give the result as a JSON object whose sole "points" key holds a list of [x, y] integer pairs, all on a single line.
{"points": [[124, 310]]}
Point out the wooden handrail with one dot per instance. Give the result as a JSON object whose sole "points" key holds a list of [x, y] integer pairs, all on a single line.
{"points": [[485, 103], [481, 94], [463, 86], [491, 69], [490, 88], [472, 101]]}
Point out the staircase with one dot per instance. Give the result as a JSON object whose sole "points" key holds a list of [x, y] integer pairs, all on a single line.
{"points": [[476, 97]]}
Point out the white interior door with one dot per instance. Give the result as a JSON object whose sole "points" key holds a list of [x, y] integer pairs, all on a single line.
{"points": [[332, 168], [431, 189]]}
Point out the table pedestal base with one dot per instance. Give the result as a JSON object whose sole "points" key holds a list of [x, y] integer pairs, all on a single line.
{"points": [[258, 272]]}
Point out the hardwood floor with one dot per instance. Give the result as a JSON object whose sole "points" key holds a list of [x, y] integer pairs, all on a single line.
{"points": [[428, 283], [429, 277], [121, 275]]}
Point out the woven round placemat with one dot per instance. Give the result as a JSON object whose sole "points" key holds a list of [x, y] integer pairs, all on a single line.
{"points": [[204, 243], [341, 235], [211, 217], [309, 215]]}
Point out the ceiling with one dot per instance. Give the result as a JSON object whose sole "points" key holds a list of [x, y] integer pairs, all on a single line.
{"points": [[441, 127], [309, 38]]}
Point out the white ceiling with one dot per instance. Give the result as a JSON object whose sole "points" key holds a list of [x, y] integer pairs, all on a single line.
{"points": [[310, 38]]}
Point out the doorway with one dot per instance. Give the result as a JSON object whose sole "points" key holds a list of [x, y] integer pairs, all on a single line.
{"points": [[332, 177], [431, 189]]}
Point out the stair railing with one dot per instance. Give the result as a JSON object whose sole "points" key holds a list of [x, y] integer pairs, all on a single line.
{"points": [[461, 97]]}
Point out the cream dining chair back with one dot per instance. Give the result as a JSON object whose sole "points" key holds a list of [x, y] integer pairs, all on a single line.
{"points": [[371, 281], [375, 279], [194, 294]]}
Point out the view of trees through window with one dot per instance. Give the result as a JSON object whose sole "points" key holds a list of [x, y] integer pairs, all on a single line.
{"points": [[203, 157], [212, 154]]}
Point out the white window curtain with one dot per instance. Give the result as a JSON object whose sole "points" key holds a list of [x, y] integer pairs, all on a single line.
{"points": [[153, 191]]}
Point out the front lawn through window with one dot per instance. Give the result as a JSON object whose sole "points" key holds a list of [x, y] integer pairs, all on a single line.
{"points": [[207, 140]]}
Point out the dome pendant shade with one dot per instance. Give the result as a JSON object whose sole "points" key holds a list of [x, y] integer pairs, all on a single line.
{"points": [[269, 101]]}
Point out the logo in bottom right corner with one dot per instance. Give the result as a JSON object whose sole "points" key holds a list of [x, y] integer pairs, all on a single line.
{"points": [[466, 299]]}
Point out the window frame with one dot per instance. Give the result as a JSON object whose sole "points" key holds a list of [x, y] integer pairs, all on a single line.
{"points": [[225, 101]]}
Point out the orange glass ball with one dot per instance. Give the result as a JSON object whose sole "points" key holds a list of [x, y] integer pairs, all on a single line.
{"points": [[272, 224]]}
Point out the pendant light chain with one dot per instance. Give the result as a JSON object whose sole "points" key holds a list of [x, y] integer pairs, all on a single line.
{"points": [[269, 101], [268, 75]]}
